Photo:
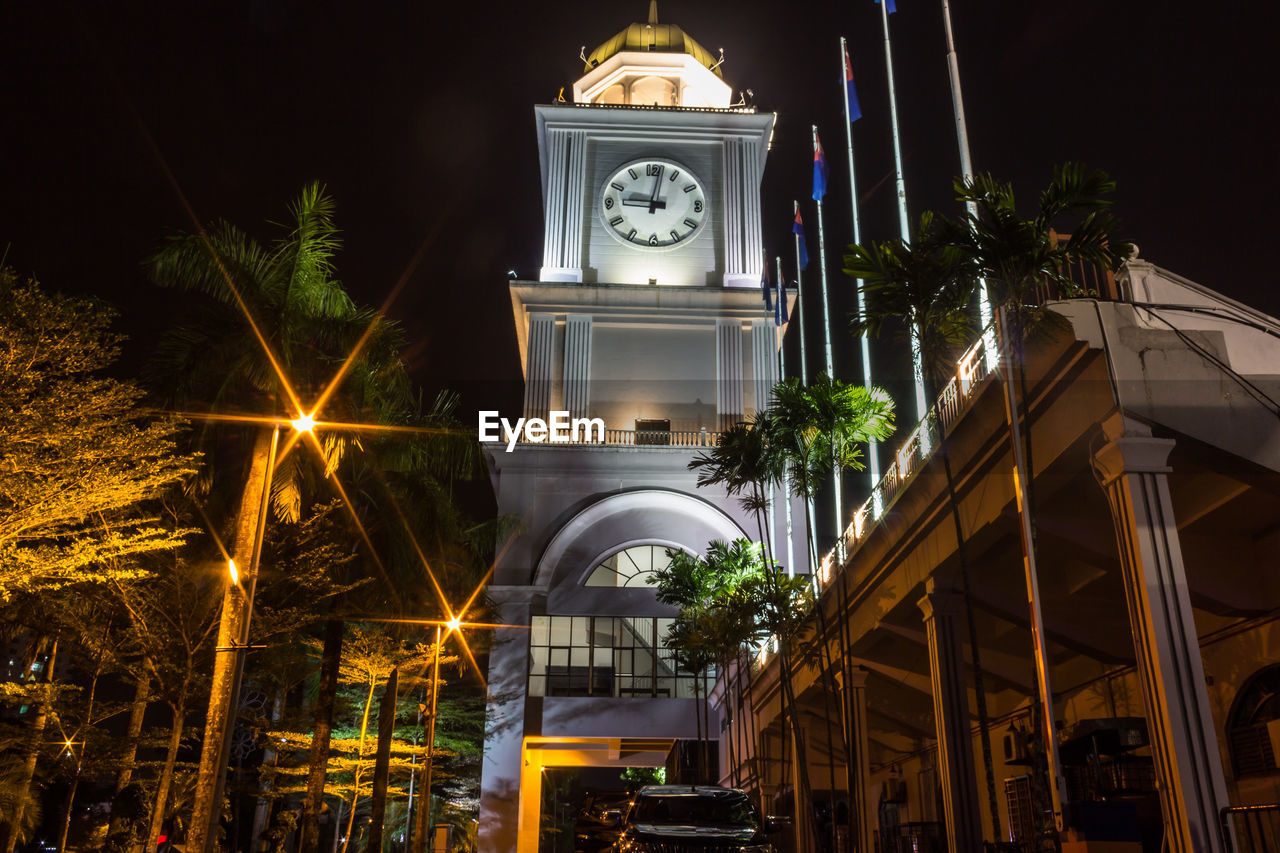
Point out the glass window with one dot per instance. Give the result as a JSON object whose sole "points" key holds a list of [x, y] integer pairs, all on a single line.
{"points": [[632, 567], [1254, 719], [622, 656]]}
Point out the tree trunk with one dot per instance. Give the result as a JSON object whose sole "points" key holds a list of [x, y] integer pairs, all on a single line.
{"points": [[30, 758], [84, 745], [382, 763], [979, 681], [137, 710], [236, 604], [357, 773], [322, 731], [165, 782], [262, 810]]}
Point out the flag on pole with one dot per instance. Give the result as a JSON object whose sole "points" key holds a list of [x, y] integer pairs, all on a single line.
{"points": [[766, 289], [893, 7], [797, 228], [851, 92], [819, 169], [780, 317]]}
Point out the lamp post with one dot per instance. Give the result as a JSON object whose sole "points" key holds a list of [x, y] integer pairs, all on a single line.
{"points": [[233, 636], [423, 815]]}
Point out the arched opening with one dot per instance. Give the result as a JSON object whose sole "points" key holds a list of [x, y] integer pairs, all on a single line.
{"points": [[648, 91], [1253, 729], [615, 94]]}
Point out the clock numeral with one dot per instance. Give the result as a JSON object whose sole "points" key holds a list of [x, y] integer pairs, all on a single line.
{"points": [[653, 239], [675, 173], [675, 238], [632, 173], [616, 221], [632, 234], [617, 186], [697, 206], [608, 203], [690, 188], [691, 223], [652, 170]]}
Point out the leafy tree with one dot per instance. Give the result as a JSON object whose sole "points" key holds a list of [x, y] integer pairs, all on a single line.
{"points": [[79, 455]]}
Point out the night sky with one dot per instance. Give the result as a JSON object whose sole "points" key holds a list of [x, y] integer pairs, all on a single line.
{"points": [[419, 118]]}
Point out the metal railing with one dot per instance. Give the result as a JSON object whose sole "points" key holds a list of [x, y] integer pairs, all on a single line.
{"points": [[978, 362], [640, 438], [1251, 829]]}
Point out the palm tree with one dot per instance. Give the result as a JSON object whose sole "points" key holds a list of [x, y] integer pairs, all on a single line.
{"points": [[928, 285], [1024, 261], [278, 320], [819, 430], [1021, 259]]}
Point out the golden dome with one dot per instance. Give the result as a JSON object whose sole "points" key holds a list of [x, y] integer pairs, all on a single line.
{"points": [[652, 36]]}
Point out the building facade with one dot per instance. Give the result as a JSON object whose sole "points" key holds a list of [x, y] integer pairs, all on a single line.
{"points": [[1155, 465], [647, 318]]}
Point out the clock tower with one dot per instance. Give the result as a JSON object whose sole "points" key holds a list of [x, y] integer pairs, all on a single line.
{"points": [[647, 320]]}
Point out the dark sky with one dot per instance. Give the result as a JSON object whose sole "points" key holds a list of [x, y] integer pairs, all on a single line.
{"points": [[419, 117]]}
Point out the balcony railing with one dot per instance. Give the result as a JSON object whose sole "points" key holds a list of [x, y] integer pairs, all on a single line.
{"points": [[978, 362], [643, 438]]}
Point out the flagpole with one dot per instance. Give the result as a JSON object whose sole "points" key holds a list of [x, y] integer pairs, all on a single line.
{"points": [[782, 375], [804, 365], [917, 365], [804, 358], [873, 458], [966, 171], [837, 486]]}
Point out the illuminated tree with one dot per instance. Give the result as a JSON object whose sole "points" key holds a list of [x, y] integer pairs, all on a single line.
{"points": [[79, 454]]}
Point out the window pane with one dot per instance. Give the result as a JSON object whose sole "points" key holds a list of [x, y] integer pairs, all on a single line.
{"points": [[538, 631]]}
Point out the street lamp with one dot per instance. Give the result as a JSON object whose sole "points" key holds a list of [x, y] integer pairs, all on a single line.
{"points": [[419, 844]]}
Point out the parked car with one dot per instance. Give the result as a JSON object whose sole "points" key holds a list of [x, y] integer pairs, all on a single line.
{"points": [[597, 827], [691, 819]]}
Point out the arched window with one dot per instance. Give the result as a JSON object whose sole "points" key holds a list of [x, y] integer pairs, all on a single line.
{"points": [[1254, 727], [631, 567]]}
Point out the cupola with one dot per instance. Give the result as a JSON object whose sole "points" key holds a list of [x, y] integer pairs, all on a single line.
{"points": [[653, 65]]}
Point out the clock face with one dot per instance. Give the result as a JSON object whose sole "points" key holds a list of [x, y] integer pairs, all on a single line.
{"points": [[653, 203]]}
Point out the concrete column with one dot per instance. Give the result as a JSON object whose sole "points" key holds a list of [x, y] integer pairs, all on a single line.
{"points": [[562, 237], [538, 371], [961, 822], [577, 364], [729, 372], [764, 362], [734, 203], [1132, 469], [861, 804], [503, 781]]}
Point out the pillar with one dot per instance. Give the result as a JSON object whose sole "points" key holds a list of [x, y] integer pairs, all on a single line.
{"points": [[564, 199], [1133, 471], [961, 822], [860, 800], [729, 372], [538, 373], [577, 364]]}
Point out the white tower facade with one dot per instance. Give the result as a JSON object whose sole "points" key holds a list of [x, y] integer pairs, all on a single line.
{"points": [[647, 316]]}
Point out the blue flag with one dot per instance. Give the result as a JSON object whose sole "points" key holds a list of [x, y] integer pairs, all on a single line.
{"points": [[780, 313], [797, 228], [851, 92], [893, 7], [819, 170], [766, 289]]}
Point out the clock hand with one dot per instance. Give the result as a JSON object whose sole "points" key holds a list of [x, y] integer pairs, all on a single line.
{"points": [[644, 202], [654, 203]]}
